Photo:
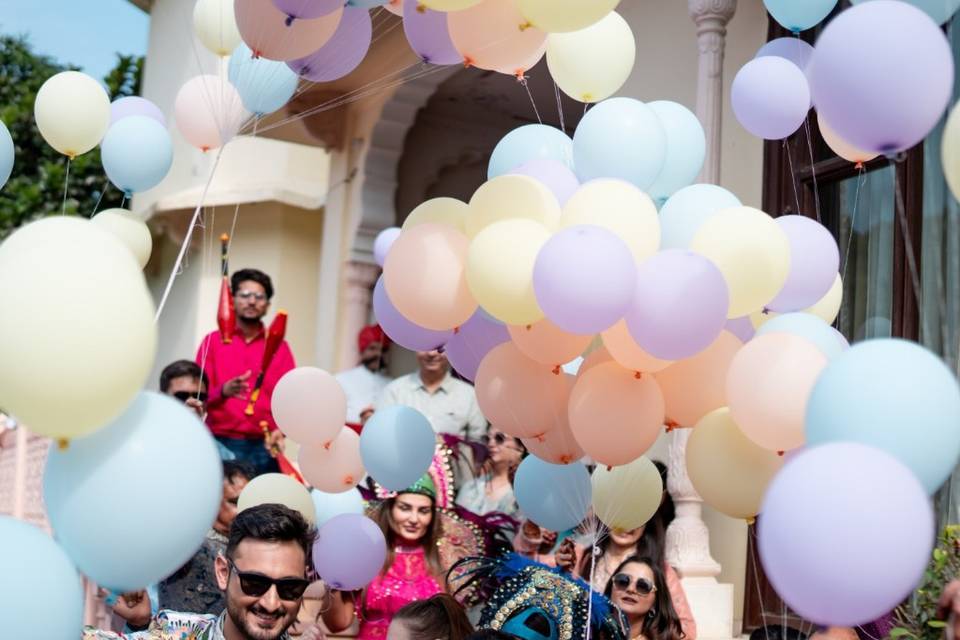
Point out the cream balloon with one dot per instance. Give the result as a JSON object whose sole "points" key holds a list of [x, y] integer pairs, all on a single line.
{"points": [[67, 265], [208, 111], [447, 5], [626, 497], [129, 229], [309, 406], [950, 151], [216, 26], [624, 349], [447, 211], [840, 146], [493, 35], [827, 308], [500, 269], [509, 197], [547, 343], [333, 467], [620, 207], [592, 64], [72, 111], [558, 16], [277, 488], [264, 29], [695, 386], [752, 252]]}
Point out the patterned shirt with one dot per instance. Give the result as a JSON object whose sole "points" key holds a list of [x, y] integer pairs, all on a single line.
{"points": [[172, 625]]}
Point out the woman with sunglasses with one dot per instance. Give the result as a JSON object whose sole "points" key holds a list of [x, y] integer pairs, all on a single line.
{"points": [[493, 491], [639, 588]]}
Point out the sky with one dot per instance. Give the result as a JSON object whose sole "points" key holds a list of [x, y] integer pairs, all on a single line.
{"points": [[86, 33]]}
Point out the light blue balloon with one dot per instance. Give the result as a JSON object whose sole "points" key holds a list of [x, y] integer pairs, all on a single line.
{"points": [[133, 502], [40, 593], [799, 15], [366, 4], [620, 138], [330, 505], [686, 149], [894, 395], [555, 496], [809, 327], [397, 445], [939, 10], [683, 213], [6, 154], [264, 85], [530, 142], [136, 153]]}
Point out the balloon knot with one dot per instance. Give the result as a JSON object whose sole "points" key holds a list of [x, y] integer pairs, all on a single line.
{"points": [[566, 459], [556, 370], [858, 166], [540, 437], [326, 445], [204, 148], [289, 20], [468, 62], [72, 155], [63, 444], [348, 481], [421, 8], [609, 467], [518, 74], [765, 311], [526, 25], [456, 330], [528, 327], [750, 520], [780, 453], [587, 97], [256, 54], [638, 375], [225, 238]]}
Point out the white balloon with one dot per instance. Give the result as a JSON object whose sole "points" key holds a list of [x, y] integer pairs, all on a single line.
{"points": [[216, 26], [128, 229], [72, 111]]}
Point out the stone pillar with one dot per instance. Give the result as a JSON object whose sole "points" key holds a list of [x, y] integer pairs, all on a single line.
{"points": [[359, 278]]}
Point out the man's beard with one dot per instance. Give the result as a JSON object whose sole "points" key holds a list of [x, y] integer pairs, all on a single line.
{"points": [[238, 616], [375, 363]]}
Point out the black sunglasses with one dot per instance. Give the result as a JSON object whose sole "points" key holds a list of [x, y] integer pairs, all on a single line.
{"points": [[183, 396], [643, 586], [257, 584]]}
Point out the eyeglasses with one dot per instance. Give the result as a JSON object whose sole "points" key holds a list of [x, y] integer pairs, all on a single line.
{"points": [[246, 295], [643, 586], [497, 438], [183, 396], [257, 584]]}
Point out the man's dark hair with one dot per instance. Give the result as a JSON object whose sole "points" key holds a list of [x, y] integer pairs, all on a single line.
{"points": [[270, 523], [491, 634], [181, 369], [777, 632], [233, 469], [252, 275]]}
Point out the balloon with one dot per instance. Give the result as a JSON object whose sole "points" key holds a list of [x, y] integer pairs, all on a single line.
{"points": [[127, 464], [265, 30], [333, 466], [556, 446], [129, 229], [554, 496], [810, 328], [939, 10], [476, 337], [449, 5], [425, 275], [72, 112], [894, 395], [264, 85], [309, 405], [520, 396], [307, 9], [876, 96], [620, 207], [342, 52], [621, 347], [136, 153], [626, 497], [395, 7], [116, 322], [277, 488], [584, 279], [686, 149], [620, 138], [556, 176], [751, 251], [547, 343], [491, 35], [840, 146], [500, 269], [591, 64], [330, 505], [726, 468], [950, 152], [397, 445], [7, 154], [530, 142], [793, 49], [135, 106], [814, 261], [31, 564], [556, 16], [828, 307], [695, 386], [209, 112], [511, 197], [405, 333], [741, 327], [833, 511], [383, 242], [799, 16], [349, 551], [615, 414], [687, 209], [446, 211], [216, 26], [770, 97], [428, 35]]}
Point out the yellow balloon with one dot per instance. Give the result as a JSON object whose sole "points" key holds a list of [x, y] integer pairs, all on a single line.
{"points": [[752, 252], [557, 16], [500, 269], [627, 496], [72, 112], [840, 146], [950, 151], [592, 64], [512, 196], [97, 364], [128, 229], [277, 488], [827, 308], [447, 5], [762, 317], [447, 211], [620, 207], [727, 469], [216, 26]]}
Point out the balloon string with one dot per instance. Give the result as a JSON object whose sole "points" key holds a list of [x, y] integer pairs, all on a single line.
{"points": [[66, 184], [236, 210], [526, 85], [861, 180], [813, 169], [103, 192], [756, 580], [556, 92], [793, 175]]}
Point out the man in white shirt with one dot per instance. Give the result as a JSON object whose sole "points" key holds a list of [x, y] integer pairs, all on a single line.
{"points": [[364, 383]]}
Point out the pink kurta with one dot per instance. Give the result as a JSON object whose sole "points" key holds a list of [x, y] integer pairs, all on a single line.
{"points": [[407, 579]]}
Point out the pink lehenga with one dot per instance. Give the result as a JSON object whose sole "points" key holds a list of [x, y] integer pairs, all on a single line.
{"points": [[408, 579]]}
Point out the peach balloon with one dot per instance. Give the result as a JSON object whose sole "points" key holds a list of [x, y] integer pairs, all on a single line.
{"points": [[840, 146], [695, 386], [768, 385], [494, 35], [395, 7], [625, 350], [208, 111], [558, 444], [425, 277], [616, 414], [334, 467], [264, 29], [546, 343]]}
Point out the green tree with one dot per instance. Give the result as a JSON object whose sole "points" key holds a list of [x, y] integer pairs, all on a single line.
{"points": [[36, 187]]}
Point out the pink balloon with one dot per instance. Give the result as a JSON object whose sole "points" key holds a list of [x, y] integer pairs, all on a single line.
{"points": [[309, 405], [494, 35], [208, 111], [333, 467], [264, 29], [342, 53]]}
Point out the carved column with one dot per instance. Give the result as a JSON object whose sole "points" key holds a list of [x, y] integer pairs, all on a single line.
{"points": [[688, 540], [359, 278]]}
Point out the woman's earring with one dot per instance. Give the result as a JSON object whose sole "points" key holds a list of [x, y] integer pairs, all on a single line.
{"points": [[652, 613]]}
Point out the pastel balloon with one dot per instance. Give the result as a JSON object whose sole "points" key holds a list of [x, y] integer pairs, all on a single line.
{"points": [[834, 510], [72, 112], [137, 153], [546, 343], [7, 154], [827, 308], [349, 551], [397, 445], [511, 197], [770, 97], [530, 142], [640, 480], [799, 16], [939, 10], [686, 149], [135, 106], [687, 209], [268, 32], [476, 337], [490, 35], [264, 85], [591, 64], [557, 16], [598, 355], [309, 405], [554, 496], [342, 52], [556, 176], [808, 327], [208, 111], [277, 488], [840, 146], [620, 207], [129, 229], [620, 138], [383, 242], [814, 261], [695, 386], [334, 466], [894, 395], [621, 346], [741, 327], [557, 446], [216, 26], [307, 9], [405, 333], [447, 211], [449, 5], [330, 505], [428, 34], [793, 49], [395, 7]]}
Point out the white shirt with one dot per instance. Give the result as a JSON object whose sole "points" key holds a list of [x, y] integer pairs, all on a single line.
{"points": [[362, 388], [452, 408]]}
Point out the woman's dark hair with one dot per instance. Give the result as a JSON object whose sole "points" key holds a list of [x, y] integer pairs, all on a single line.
{"points": [[383, 516], [490, 634], [651, 544], [270, 523], [181, 369], [440, 616], [252, 275], [664, 624], [666, 512]]}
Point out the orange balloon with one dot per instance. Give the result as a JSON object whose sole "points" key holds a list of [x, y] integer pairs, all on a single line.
{"points": [[333, 467], [264, 29], [494, 35], [522, 397], [615, 414], [695, 386], [595, 357], [547, 343], [768, 385], [425, 277], [625, 350], [558, 444]]}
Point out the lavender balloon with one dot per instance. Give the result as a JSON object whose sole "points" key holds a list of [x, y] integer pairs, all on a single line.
{"points": [[342, 53], [556, 176], [349, 551], [307, 9], [383, 242], [584, 278], [793, 49], [476, 337], [770, 97], [741, 327], [135, 106], [814, 262], [828, 518], [405, 333], [427, 33], [680, 305]]}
